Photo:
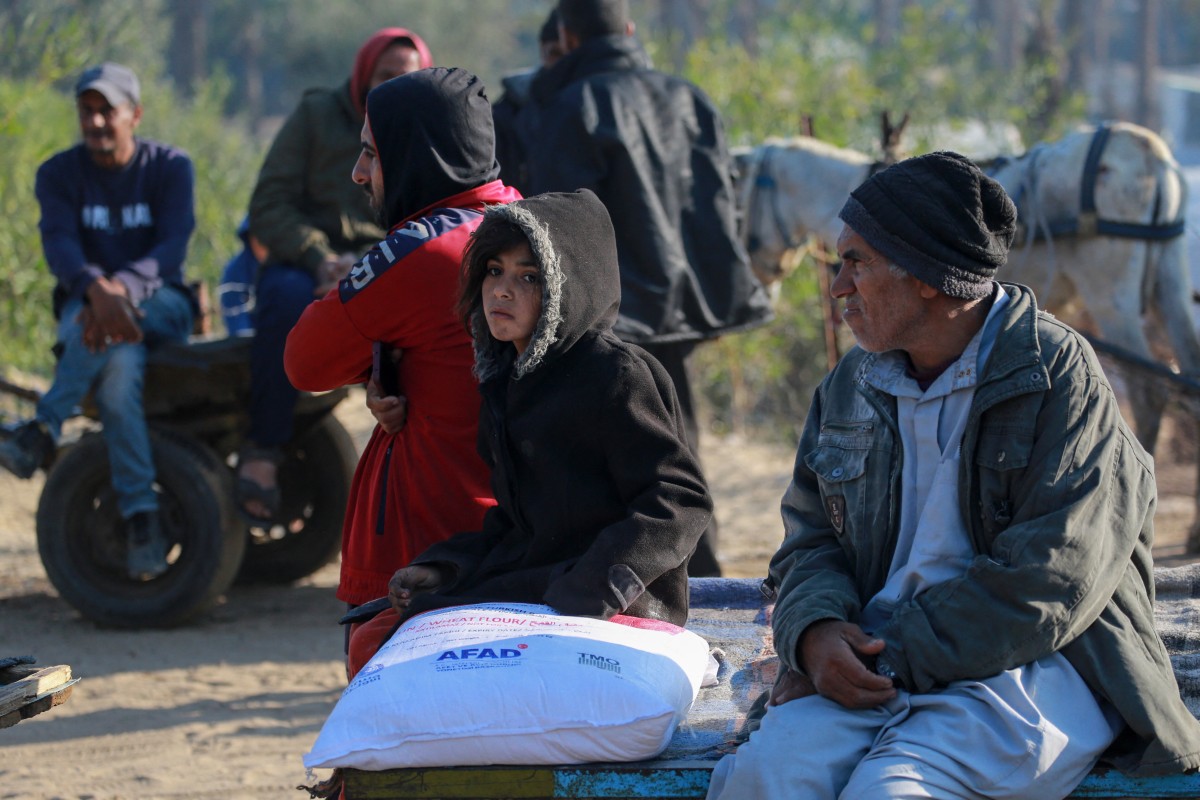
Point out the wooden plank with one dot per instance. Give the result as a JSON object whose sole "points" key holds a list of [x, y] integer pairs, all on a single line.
{"points": [[30, 684], [500, 783], [646, 780], [10, 675], [1112, 784], [44, 702]]}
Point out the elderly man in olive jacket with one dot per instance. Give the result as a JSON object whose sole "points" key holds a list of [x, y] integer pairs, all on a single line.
{"points": [[965, 589]]}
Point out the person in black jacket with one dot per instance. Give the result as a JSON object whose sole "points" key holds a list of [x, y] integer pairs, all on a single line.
{"points": [[600, 501], [506, 112], [653, 148]]}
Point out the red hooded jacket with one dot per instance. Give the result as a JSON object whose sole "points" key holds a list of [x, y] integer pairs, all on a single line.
{"points": [[427, 482]]}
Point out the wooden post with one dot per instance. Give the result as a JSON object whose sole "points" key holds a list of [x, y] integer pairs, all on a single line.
{"points": [[828, 311]]}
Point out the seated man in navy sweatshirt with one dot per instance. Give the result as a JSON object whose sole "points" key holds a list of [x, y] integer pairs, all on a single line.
{"points": [[116, 217]]}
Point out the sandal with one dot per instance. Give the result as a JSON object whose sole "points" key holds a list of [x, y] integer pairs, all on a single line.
{"points": [[248, 490]]}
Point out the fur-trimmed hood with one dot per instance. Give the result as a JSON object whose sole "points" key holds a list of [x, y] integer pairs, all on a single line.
{"points": [[572, 239]]}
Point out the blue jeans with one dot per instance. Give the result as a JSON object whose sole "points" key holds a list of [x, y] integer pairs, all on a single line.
{"points": [[116, 375], [282, 295]]}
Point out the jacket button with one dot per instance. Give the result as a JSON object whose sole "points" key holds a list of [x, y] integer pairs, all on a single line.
{"points": [[1000, 458], [837, 472], [1036, 377]]}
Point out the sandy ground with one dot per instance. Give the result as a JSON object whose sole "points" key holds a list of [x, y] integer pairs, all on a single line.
{"points": [[227, 706]]}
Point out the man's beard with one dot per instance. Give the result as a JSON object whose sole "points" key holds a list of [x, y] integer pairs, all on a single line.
{"points": [[100, 143], [376, 208]]}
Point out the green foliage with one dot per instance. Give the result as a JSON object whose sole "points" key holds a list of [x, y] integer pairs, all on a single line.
{"points": [[826, 64], [52, 41], [31, 130], [313, 42], [804, 66], [762, 380], [226, 159]]}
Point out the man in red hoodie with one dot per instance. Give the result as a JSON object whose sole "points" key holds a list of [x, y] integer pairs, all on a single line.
{"points": [[429, 167]]}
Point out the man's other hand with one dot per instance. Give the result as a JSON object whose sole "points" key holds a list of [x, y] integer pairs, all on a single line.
{"points": [[836, 656], [390, 411], [331, 271], [789, 686]]}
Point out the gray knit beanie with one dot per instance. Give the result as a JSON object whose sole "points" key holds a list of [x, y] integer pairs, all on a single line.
{"points": [[940, 218]]}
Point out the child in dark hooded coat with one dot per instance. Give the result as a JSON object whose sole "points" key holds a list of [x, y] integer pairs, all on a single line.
{"points": [[600, 501]]}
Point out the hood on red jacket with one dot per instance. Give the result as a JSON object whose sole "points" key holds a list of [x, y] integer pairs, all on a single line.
{"points": [[433, 136]]}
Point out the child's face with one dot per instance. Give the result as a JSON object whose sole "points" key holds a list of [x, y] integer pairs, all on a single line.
{"points": [[512, 295]]}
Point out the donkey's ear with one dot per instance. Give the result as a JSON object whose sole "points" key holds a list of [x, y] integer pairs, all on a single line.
{"points": [[891, 136]]}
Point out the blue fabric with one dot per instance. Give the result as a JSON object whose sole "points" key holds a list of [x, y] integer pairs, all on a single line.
{"points": [[236, 293], [116, 374], [282, 295]]}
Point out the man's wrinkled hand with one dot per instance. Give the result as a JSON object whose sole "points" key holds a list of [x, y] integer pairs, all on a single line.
{"points": [[412, 580], [836, 656], [390, 411], [790, 685]]}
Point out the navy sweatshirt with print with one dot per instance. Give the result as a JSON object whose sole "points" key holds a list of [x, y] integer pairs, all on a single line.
{"points": [[131, 223]]}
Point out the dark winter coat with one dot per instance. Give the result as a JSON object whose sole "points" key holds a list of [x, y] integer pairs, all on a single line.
{"points": [[506, 118], [652, 147], [600, 501]]}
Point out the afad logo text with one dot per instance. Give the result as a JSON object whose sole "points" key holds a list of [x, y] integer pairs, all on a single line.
{"points": [[478, 653]]}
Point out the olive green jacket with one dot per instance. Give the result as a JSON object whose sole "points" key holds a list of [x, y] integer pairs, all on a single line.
{"points": [[305, 205], [1058, 498]]}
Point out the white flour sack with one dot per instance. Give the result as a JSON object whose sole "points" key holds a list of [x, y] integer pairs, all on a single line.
{"points": [[514, 684]]}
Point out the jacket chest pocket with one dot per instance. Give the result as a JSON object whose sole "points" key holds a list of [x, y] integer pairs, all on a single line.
{"points": [[1001, 457], [840, 463]]}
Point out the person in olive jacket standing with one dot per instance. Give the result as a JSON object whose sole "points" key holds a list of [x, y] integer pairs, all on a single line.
{"points": [[652, 147], [314, 223]]}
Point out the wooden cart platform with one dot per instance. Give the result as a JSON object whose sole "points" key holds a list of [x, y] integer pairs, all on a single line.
{"points": [[733, 616]]}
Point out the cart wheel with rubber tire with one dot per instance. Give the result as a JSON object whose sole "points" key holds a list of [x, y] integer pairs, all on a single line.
{"points": [[82, 543]]}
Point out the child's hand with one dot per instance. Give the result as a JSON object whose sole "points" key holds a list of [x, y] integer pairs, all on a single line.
{"points": [[412, 580]]}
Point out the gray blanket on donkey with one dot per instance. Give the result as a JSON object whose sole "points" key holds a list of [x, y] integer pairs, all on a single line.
{"points": [[732, 616]]}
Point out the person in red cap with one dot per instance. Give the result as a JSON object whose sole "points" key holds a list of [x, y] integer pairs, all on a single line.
{"points": [[313, 224]]}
